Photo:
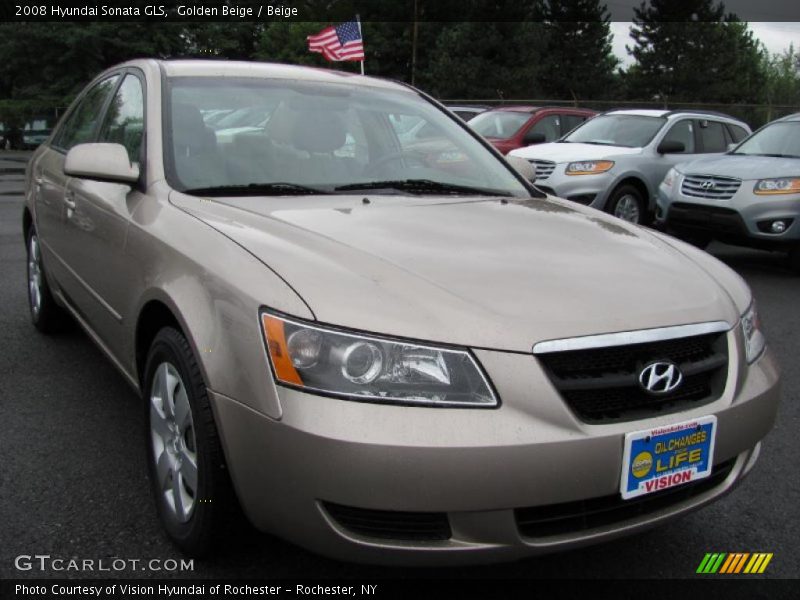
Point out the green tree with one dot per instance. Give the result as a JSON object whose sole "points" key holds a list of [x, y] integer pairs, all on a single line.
{"points": [[578, 62], [783, 77], [478, 60], [691, 50]]}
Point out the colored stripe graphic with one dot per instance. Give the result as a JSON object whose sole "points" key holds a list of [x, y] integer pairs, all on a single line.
{"points": [[734, 563]]}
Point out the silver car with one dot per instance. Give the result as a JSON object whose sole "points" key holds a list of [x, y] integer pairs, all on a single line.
{"points": [[384, 353], [749, 196], [615, 161]]}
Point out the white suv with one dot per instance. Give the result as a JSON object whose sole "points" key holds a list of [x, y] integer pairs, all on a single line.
{"points": [[616, 160]]}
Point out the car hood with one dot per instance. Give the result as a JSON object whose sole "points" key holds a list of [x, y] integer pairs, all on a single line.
{"points": [[742, 167], [561, 152], [491, 273]]}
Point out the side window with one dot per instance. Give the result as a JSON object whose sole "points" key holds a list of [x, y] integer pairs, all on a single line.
{"points": [[124, 122], [737, 133], [81, 125], [550, 126], [570, 122], [712, 134], [683, 132]]}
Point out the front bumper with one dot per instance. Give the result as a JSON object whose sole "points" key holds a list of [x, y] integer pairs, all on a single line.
{"points": [[740, 220], [478, 467], [589, 190]]}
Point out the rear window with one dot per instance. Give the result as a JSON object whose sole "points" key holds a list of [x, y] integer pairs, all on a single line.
{"points": [[737, 133]]}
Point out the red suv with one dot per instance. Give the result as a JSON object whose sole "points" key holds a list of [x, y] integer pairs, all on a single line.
{"points": [[512, 127]]}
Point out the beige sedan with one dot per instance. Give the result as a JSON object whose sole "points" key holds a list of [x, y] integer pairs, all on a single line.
{"points": [[384, 350]]}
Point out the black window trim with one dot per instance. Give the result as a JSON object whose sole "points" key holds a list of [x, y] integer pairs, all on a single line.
{"points": [[79, 100], [139, 74]]}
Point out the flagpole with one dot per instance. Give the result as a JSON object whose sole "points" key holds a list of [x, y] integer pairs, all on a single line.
{"points": [[361, 33]]}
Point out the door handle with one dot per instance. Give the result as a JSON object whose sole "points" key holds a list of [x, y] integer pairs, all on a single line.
{"points": [[69, 200]]}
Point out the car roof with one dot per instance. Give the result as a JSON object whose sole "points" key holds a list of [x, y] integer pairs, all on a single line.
{"points": [[231, 68], [792, 117], [639, 112], [674, 114], [523, 108]]}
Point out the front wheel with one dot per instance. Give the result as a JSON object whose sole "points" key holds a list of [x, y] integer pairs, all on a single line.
{"points": [[187, 469], [626, 203], [46, 315]]}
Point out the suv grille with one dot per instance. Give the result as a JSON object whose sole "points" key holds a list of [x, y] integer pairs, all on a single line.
{"points": [[544, 168], [390, 524], [570, 517], [602, 384], [712, 188]]}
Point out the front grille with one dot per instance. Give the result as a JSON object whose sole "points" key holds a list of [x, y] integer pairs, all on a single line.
{"points": [[602, 384], [712, 188], [390, 524], [544, 168], [582, 515]]}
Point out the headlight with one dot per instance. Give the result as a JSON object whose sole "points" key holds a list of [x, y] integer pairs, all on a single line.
{"points": [[367, 368], [670, 177], [754, 341], [589, 167], [782, 185]]}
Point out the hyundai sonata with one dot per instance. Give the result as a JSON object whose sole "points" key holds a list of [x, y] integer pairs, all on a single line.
{"points": [[383, 353]]}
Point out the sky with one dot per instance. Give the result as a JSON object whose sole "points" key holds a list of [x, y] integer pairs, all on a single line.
{"points": [[776, 36]]}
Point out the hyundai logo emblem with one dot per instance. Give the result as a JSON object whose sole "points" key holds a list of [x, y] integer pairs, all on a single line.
{"points": [[708, 185], [660, 377]]}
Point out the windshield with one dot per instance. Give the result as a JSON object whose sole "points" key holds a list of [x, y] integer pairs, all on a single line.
{"points": [[285, 137], [498, 123], [631, 131], [779, 139]]}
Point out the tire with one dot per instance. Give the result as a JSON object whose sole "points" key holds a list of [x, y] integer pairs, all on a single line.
{"points": [[188, 477], [46, 315], [626, 203]]}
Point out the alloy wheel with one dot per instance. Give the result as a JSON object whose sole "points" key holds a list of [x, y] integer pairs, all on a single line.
{"points": [[627, 209], [172, 436], [35, 275]]}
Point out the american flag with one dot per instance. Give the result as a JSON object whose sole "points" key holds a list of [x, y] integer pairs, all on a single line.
{"points": [[342, 42]]}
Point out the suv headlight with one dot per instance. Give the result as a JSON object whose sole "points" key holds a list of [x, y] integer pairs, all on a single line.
{"points": [[589, 167], [670, 177], [754, 341], [781, 185], [367, 368]]}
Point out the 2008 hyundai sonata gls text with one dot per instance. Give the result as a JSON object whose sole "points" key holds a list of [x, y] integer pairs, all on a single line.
{"points": [[384, 350]]}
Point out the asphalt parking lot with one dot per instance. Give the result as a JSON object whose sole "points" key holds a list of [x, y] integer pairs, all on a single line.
{"points": [[73, 477]]}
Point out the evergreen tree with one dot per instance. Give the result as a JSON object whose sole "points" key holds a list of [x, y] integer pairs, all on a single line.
{"points": [[478, 60], [578, 62], [691, 50]]}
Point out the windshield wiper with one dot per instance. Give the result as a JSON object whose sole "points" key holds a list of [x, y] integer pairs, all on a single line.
{"points": [[605, 144], [420, 186], [769, 155], [260, 189]]}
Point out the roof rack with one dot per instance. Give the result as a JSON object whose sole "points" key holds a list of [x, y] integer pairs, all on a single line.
{"points": [[698, 111]]}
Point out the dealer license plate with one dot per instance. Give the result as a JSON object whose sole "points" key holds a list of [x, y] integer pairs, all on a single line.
{"points": [[661, 458]]}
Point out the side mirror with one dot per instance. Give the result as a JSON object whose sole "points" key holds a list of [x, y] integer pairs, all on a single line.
{"points": [[533, 137], [732, 146], [101, 162], [670, 147], [522, 166]]}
